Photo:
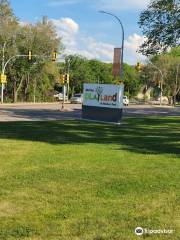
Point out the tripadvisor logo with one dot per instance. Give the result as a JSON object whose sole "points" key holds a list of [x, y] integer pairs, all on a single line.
{"points": [[100, 97], [139, 231]]}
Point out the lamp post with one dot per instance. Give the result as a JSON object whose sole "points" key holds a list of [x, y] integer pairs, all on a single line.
{"points": [[4, 65], [161, 82], [68, 72], [177, 73], [2, 71], [122, 45]]}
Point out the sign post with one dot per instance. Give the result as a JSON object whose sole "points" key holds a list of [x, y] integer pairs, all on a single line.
{"points": [[2, 92], [3, 79], [103, 102]]}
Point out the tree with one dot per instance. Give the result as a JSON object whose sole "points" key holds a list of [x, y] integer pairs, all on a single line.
{"points": [[166, 70], [83, 70], [131, 81], [28, 78], [160, 24], [79, 72], [101, 72], [41, 38]]}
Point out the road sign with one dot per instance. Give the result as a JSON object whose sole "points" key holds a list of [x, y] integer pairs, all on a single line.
{"points": [[3, 78]]}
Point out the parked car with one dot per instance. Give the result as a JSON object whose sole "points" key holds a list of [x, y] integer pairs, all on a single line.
{"points": [[77, 98], [125, 101], [59, 96]]}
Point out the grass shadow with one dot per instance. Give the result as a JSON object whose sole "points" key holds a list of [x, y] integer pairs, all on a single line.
{"points": [[142, 135]]}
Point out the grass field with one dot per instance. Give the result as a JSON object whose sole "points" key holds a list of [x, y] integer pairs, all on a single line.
{"points": [[72, 180]]}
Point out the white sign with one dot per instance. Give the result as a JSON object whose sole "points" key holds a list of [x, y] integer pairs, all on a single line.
{"points": [[103, 95]]}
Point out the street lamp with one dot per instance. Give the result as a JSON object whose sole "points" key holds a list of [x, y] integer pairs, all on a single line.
{"points": [[2, 71], [122, 46], [161, 82]]}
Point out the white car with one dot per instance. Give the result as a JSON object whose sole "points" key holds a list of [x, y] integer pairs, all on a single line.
{"points": [[77, 98], [125, 101], [59, 96]]}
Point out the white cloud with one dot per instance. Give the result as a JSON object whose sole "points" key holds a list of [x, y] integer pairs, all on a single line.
{"points": [[77, 43], [99, 50], [66, 25], [131, 46], [67, 28], [122, 4]]}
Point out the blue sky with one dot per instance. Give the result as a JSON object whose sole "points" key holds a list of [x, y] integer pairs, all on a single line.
{"points": [[84, 30]]}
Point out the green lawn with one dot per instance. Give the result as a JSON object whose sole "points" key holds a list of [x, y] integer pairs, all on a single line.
{"points": [[72, 180]]}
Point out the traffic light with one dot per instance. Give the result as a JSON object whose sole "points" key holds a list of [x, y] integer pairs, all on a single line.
{"points": [[138, 66], [62, 79], [30, 55], [66, 78], [54, 56], [3, 78]]}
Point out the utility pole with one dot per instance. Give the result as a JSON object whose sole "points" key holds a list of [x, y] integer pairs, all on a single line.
{"points": [[2, 84], [68, 72], [161, 82], [4, 65]]}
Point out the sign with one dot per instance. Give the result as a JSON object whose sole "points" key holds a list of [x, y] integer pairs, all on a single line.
{"points": [[117, 62], [103, 102], [3, 78], [103, 95]]}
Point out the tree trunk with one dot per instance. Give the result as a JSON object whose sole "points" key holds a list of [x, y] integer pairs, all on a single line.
{"points": [[26, 88], [170, 100], [16, 89], [34, 90], [14, 92]]}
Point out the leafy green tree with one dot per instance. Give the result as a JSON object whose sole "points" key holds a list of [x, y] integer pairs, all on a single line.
{"points": [[101, 72], [79, 72], [131, 80], [169, 66], [160, 24], [8, 23], [83, 70], [28, 80], [41, 39]]}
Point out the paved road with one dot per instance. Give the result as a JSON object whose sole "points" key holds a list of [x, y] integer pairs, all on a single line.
{"points": [[38, 112], [51, 111], [149, 110]]}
